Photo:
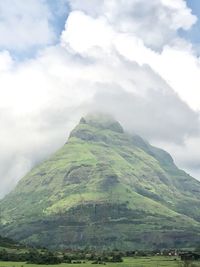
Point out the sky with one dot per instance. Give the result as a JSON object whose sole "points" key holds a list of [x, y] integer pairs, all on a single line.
{"points": [[137, 60]]}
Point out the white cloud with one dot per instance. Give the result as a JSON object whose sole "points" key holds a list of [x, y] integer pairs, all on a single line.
{"points": [[6, 61], [105, 61], [25, 24], [85, 33], [155, 22], [176, 63], [182, 16]]}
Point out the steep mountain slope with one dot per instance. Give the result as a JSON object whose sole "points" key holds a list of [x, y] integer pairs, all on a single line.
{"points": [[104, 188]]}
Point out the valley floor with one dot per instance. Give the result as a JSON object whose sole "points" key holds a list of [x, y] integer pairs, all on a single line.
{"points": [[128, 262]]}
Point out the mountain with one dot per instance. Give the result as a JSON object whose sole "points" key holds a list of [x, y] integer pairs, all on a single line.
{"points": [[6, 243], [106, 189]]}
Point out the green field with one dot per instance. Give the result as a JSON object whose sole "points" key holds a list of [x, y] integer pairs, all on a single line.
{"points": [[128, 262]]}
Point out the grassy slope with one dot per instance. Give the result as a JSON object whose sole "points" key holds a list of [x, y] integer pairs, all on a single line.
{"points": [[100, 164]]}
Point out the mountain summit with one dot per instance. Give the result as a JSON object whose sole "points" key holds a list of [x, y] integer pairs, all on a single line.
{"points": [[104, 188]]}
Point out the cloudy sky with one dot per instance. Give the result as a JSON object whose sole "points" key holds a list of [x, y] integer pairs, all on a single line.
{"points": [[60, 59]]}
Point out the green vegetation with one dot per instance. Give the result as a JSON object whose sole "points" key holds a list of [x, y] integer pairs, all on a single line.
{"points": [[127, 262], [104, 189], [15, 255], [8, 243]]}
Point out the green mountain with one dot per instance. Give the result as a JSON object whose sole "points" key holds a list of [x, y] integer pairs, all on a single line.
{"points": [[106, 189], [7, 243]]}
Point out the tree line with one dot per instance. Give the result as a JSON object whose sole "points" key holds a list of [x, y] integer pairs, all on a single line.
{"points": [[35, 256]]}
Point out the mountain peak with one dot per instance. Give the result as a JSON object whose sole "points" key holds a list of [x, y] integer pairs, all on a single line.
{"points": [[102, 121], [104, 189]]}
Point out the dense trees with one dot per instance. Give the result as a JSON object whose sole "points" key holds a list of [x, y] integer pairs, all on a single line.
{"points": [[45, 257], [35, 256], [42, 257]]}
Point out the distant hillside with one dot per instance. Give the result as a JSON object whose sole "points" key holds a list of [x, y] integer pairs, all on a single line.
{"points": [[6, 242], [104, 188]]}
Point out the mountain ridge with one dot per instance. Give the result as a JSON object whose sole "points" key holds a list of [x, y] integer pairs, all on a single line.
{"points": [[104, 182]]}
